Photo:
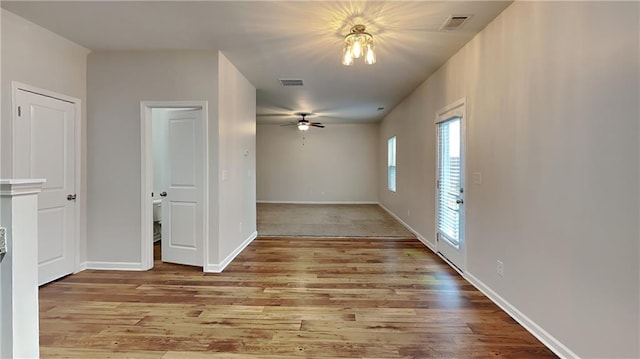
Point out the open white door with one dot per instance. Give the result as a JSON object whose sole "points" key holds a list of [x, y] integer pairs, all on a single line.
{"points": [[182, 199], [44, 147]]}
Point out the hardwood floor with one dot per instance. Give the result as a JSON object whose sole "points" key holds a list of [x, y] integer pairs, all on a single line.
{"points": [[283, 298]]}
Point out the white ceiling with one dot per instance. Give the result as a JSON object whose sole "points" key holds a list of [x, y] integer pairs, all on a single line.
{"points": [[268, 40]]}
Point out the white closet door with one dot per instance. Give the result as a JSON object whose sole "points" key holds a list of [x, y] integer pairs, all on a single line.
{"points": [[44, 147]]}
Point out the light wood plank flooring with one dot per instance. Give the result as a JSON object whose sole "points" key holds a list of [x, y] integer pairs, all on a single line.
{"points": [[283, 298]]}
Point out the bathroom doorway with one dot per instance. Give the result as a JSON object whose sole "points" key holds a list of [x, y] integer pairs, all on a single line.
{"points": [[174, 182]]}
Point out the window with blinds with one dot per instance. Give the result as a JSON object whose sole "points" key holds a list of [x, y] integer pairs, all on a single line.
{"points": [[391, 164], [449, 180]]}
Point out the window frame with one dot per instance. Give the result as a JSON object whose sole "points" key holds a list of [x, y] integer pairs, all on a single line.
{"points": [[392, 166]]}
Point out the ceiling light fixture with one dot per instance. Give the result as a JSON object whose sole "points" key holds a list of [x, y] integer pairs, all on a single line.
{"points": [[303, 126], [358, 43]]}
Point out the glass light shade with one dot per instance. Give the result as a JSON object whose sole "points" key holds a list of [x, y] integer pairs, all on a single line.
{"points": [[356, 49], [303, 127], [370, 57], [358, 43], [347, 59]]}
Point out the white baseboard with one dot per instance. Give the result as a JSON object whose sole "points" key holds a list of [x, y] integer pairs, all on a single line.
{"points": [[81, 266], [547, 339], [114, 266], [218, 268], [319, 202], [418, 235]]}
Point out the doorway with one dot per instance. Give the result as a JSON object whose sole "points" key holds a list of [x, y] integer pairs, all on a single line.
{"points": [[46, 144], [450, 240], [174, 181]]}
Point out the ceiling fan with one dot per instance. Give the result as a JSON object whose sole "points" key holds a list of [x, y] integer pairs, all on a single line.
{"points": [[304, 124]]}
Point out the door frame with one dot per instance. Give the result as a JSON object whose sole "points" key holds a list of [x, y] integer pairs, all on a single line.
{"points": [[146, 166], [77, 156], [460, 109]]}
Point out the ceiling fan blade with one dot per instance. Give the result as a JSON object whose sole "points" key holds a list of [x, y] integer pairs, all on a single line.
{"points": [[289, 124], [317, 124]]}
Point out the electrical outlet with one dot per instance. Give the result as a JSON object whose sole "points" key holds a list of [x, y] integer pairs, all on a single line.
{"points": [[3, 240], [500, 269]]}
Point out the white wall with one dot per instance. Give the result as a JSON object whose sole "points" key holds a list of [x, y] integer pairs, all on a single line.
{"points": [[35, 56], [335, 164], [117, 82], [552, 94], [236, 135]]}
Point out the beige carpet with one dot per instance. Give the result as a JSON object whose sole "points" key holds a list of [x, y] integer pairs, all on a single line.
{"points": [[328, 220]]}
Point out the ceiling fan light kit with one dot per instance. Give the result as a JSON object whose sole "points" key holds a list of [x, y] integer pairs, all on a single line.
{"points": [[358, 43], [303, 124]]}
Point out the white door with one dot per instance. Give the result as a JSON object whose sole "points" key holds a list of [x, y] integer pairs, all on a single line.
{"points": [[44, 147], [450, 187], [182, 199]]}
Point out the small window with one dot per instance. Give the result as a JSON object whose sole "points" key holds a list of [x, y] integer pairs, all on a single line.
{"points": [[391, 164]]}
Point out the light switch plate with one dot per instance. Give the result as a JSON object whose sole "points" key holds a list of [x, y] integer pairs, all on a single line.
{"points": [[3, 240], [477, 178]]}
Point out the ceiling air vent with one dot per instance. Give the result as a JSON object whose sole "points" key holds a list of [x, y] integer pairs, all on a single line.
{"points": [[291, 82], [455, 22]]}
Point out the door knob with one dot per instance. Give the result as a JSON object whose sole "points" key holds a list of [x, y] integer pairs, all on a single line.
{"points": [[163, 194], [459, 201], [71, 197]]}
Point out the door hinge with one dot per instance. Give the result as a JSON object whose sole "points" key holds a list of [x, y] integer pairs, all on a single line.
{"points": [[19, 111]]}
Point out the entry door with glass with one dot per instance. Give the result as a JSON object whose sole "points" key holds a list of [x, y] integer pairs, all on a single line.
{"points": [[450, 186]]}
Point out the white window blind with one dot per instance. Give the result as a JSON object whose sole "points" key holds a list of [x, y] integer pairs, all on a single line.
{"points": [[391, 164], [449, 180]]}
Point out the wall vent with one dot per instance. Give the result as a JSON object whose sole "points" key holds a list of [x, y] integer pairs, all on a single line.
{"points": [[291, 82], [455, 22]]}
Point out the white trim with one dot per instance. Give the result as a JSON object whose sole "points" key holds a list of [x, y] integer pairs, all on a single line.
{"points": [[205, 184], [18, 187], [317, 202], [532, 327], [146, 172], [77, 106], [146, 180], [455, 109], [81, 267], [416, 233], [447, 261], [218, 268], [547, 339], [15, 85], [78, 187], [124, 266], [450, 108]]}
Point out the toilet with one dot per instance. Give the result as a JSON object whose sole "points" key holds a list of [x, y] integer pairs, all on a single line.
{"points": [[157, 219]]}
